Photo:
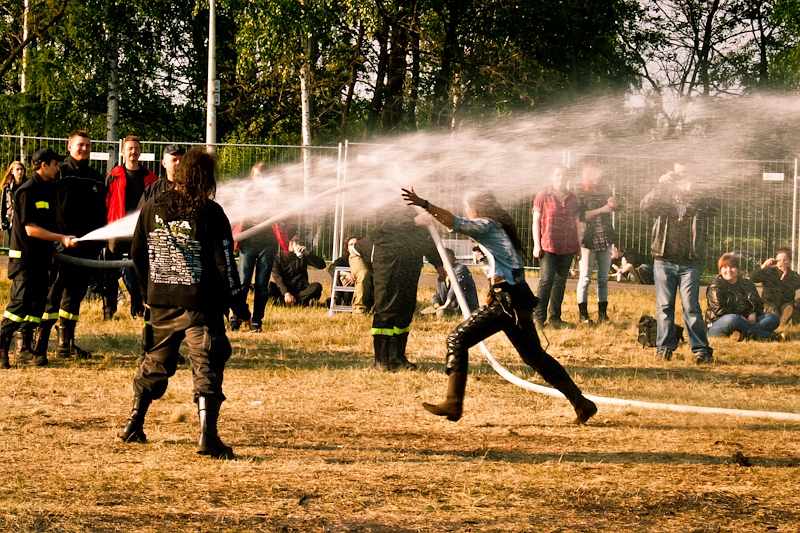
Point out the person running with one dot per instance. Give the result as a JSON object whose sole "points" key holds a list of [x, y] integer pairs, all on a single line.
{"points": [[509, 308]]}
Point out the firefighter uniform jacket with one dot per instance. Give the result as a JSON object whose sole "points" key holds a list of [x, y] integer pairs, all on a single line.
{"points": [[35, 203]]}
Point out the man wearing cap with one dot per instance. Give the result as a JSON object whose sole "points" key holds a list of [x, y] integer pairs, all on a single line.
{"points": [[80, 208], [33, 231], [173, 154], [126, 184]]}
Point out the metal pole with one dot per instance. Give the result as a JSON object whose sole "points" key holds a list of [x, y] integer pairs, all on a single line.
{"points": [[795, 259], [336, 252], [23, 76], [212, 96]]}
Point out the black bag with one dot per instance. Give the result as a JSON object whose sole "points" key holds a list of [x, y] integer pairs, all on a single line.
{"points": [[648, 331]]}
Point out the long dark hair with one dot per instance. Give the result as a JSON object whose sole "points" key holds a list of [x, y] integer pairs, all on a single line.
{"points": [[485, 205], [196, 179]]}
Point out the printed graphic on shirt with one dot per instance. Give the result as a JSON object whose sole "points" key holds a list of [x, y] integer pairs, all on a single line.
{"points": [[174, 253]]}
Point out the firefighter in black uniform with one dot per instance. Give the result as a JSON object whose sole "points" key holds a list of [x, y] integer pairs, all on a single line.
{"points": [[182, 253], [30, 258], [395, 248], [80, 208], [170, 161]]}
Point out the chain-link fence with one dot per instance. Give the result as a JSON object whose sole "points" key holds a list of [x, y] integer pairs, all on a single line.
{"points": [[757, 199]]}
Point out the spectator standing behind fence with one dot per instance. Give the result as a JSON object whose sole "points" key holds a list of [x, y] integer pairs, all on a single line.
{"points": [[256, 255], [779, 285], [183, 259], [734, 307], [596, 203], [14, 177], [126, 184], [33, 231], [171, 158], [555, 243], [80, 208], [680, 216]]}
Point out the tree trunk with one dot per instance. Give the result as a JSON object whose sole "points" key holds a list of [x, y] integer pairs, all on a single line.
{"points": [[112, 109], [376, 106], [392, 117], [354, 68], [441, 115], [413, 96]]}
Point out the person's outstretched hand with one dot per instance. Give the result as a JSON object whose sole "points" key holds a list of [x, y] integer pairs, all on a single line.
{"points": [[412, 198]]}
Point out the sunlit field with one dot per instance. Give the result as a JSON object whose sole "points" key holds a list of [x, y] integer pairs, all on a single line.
{"points": [[326, 443]]}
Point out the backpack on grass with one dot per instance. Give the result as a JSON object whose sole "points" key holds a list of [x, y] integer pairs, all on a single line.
{"points": [[648, 328]]}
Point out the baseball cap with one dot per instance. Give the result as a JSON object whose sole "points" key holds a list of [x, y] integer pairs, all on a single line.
{"points": [[174, 149], [45, 155]]}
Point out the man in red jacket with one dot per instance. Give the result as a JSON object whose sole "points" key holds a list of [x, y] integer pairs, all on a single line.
{"points": [[126, 184]]}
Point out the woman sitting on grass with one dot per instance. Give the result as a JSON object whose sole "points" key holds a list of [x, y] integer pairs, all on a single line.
{"points": [[509, 308], [735, 308]]}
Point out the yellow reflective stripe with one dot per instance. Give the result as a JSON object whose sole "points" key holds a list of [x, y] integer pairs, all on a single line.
{"points": [[50, 316], [12, 316], [398, 331], [34, 319], [379, 331], [42, 205], [70, 316], [15, 254]]}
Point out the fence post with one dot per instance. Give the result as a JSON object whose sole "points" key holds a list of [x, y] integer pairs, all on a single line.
{"points": [[795, 259], [336, 229]]}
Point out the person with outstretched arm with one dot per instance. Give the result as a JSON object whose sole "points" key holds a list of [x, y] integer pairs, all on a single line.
{"points": [[509, 308]]}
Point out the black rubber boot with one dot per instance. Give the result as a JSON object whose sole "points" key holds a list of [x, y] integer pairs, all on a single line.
{"points": [[22, 348], [66, 347], [5, 346], [210, 443], [41, 337], [453, 405], [381, 344], [400, 354], [134, 427], [602, 312], [583, 310], [584, 407]]}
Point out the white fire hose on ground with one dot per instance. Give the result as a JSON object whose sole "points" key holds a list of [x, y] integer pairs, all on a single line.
{"points": [[500, 369]]}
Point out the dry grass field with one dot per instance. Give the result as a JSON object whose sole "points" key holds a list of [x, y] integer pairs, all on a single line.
{"points": [[326, 444]]}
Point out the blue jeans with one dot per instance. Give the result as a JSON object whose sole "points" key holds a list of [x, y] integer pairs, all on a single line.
{"points": [[259, 261], [552, 282], [765, 324], [670, 277], [588, 258]]}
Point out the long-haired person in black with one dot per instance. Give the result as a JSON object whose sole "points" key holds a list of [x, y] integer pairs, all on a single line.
{"points": [[183, 258], [509, 308]]}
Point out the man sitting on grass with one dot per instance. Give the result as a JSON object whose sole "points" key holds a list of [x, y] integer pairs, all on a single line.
{"points": [[290, 275]]}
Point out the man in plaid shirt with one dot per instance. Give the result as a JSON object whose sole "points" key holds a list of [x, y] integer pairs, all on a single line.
{"points": [[555, 243]]}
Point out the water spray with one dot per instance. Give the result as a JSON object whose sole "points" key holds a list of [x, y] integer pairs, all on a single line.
{"points": [[519, 382]]}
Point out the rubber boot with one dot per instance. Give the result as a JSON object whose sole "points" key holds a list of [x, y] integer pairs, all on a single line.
{"points": [[602, 312], [583, 310], [5, 346], [453, 405], [210, 443], [66, 347], [400, 355], [41, 337], [22, 348], [381, 344], [584, 407], [134, 427]]}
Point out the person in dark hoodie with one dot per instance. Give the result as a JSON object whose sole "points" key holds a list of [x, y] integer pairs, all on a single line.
{"points": [[182, 253], [290, 275], [80, 208]]}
